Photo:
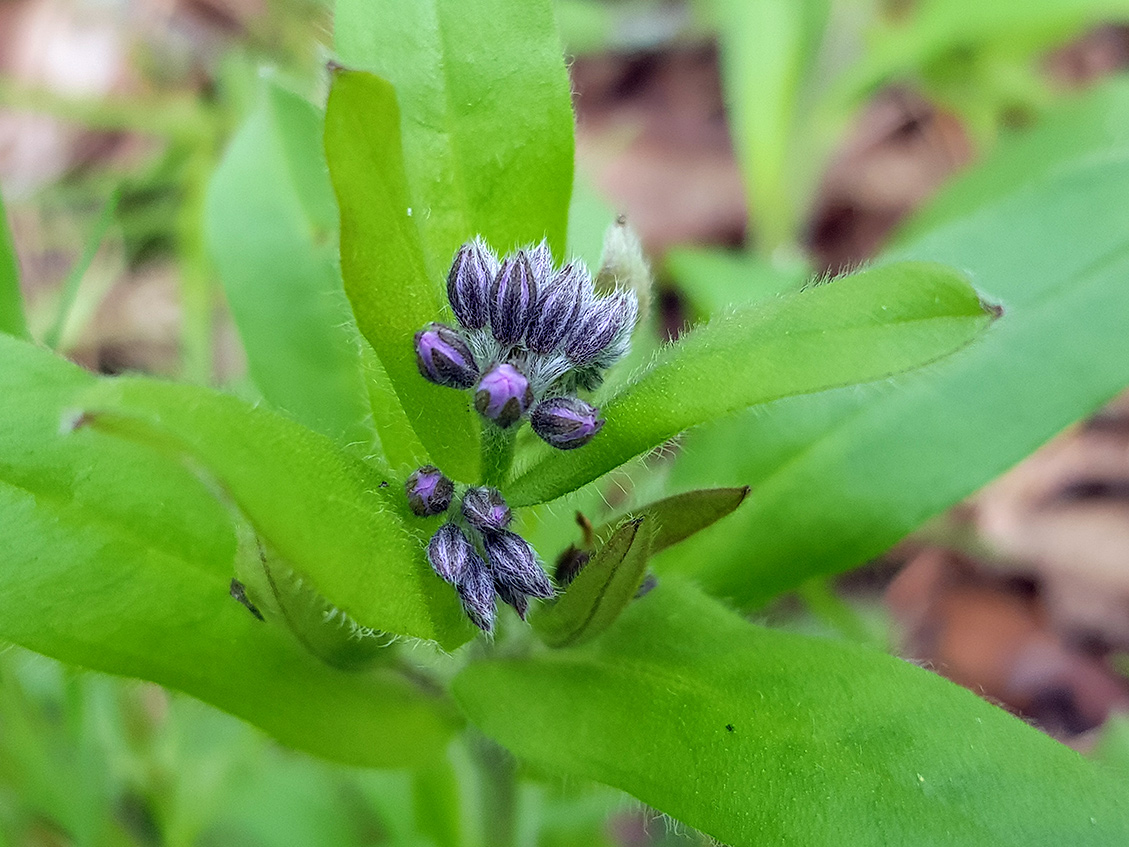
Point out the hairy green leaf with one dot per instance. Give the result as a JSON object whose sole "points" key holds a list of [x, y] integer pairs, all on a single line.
{"points": [[341, 524], [602, 590], [488, 141], [271, 224], [763, 737], [839, 478], [858, 328], [674, 519], [121, 560], [382, 262]]}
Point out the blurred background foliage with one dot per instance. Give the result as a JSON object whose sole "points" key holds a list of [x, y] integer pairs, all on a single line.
{"points": [[752, 143]]}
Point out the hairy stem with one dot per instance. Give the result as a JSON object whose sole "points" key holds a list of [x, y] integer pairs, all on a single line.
{"points": [[497, 452]]}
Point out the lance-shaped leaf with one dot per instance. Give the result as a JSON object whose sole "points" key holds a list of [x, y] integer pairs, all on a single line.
{"points": [[120, 560], [602, 590], [839, 478], [271, 223], [859, 328], [11, 302], [382, 262], [763, 737], [674, 519], [488, 144], [341, 524]]}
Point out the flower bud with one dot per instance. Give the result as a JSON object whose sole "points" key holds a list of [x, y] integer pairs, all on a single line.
{"points": [[451, 554], [602, 322], [556, 309], [476, 591], [444, 357], [503, 394], [519, 601], [513, 297], [541, 263], [566, 422], [514, 565], [429, 491], [468, 283], [486, 510]]}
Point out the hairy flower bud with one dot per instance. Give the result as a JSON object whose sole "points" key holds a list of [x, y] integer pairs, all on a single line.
{"points": [[514, 565], [566, 422], [451, 554], [476, 591], [503, 394], [513, 297], [429, 491], [486, 510], [604, 321], [557, 308], [468, 283], [541, 263], [519, 601], [444, 357]]}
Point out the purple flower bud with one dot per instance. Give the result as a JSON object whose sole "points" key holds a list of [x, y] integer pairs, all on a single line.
{"points": [[566, 422], [519, 601], [444, 357], [541, 263], [557, 308], [429, 492], [486, 510], [514, 565], [451, 554], [513, 297], [476, 591], [503, 394], [468, 283], [603, 321]]}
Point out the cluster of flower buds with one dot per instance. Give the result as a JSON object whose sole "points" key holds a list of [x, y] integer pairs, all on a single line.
{"points": [[476, 552], [532, 336]]}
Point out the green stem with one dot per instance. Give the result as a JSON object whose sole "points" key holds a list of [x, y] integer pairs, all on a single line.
{"points": [[497, 452], [498, 780]]}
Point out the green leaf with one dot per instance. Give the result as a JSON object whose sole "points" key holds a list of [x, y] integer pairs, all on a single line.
{"points": [[340, 523], [763, 737], [858, 328], [383, 265], [487, 119], [674, 519], [602, 590], [838, 479], [937, 29], [768, 53], [271, 224], [11, 302], [120, 560]]}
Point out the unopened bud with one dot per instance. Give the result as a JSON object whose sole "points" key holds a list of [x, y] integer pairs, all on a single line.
{"points": [[429, 491], [541, 263], [444, 357], [519, 601], [566, 422], [451, 554], [513, 297], [486, 510], [514, 565], [604, 321], [557, 308], [503, 395], [476, 591], [468, 283]]}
